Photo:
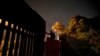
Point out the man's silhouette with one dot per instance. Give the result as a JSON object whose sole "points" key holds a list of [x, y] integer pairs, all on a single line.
{"points": [[52, 45]]}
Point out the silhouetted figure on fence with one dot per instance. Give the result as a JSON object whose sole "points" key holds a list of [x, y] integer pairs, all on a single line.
{"points": [[52, 46], [51, 34]]}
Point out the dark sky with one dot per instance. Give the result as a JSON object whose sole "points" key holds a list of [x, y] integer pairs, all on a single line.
{"points": [[62, 10]]}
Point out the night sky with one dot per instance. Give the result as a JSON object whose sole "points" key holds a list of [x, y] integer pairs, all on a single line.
{"points": [[62, 10]]}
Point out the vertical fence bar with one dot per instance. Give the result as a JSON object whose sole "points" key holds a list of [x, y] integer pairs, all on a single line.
{"points": [[30, 52], [19, 45], [26, 47], [3, 41], [29, 46], [32, 44], [1, 35], [14, 42], [32, 47], [15, 39], [25, 43], [7, 30], [9, 43]]}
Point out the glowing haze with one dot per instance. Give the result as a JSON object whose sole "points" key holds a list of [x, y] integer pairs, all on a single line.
{"points": [[62, 10]]}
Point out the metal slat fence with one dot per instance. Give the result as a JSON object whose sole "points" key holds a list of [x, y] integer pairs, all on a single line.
{"points": [[15, 40]]}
